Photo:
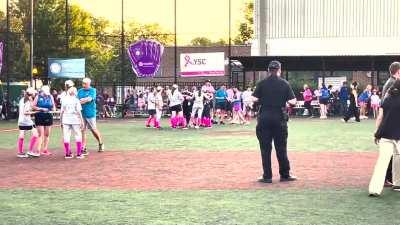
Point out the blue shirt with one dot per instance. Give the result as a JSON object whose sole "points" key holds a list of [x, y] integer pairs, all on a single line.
{"points": [[344, 94], [45, 102], [364, 96], [89, 108], [220, 95], [325, 94]]}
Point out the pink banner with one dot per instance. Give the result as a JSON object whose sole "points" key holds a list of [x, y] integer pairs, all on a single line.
{"points": [[203, 73]]}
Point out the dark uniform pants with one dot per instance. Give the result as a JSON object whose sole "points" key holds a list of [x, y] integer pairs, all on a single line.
{"points": [[273, 129], [352, 111]]}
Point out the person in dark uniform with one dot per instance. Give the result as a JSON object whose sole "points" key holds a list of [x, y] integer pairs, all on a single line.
{"points": [[272, 94], [353, 107]]}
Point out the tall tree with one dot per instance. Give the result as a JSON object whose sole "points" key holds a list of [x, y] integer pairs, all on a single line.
{"points": [[136, 31], [201, 41], [246, 28]]}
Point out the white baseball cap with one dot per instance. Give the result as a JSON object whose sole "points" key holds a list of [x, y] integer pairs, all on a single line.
{"points": [[30, 90], [69, 83]]}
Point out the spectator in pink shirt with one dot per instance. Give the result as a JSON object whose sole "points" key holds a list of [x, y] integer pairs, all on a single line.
{"points": [[308, 97]]}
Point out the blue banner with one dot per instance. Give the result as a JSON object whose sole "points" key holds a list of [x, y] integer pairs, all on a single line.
{"points": [[66, 68]]}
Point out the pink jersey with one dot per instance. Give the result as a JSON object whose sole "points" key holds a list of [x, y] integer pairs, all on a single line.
{"points": [[307, 95]]}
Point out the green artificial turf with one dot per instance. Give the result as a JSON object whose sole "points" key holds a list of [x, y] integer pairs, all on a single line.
{"points": [[304, 135], [348, 206]]}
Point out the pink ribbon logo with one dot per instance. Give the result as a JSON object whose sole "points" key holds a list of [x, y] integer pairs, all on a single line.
{"points": [[187, 60]]}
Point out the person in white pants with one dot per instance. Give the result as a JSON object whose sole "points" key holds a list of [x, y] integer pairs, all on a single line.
{"points": [[198, 106], [159, 106], [72, 122], [388, 138]]}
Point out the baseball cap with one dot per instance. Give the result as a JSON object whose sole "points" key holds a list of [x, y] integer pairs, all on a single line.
{"points": [[274, 65], [69, 83], [30, 91]]}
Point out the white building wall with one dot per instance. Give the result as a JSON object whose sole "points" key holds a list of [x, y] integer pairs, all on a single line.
{"points": [[330, 27]]}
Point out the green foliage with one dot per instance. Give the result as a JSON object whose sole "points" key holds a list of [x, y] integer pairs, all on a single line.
{"points": [[89, 38], [136, 31], [203, 41], [246, 30]]}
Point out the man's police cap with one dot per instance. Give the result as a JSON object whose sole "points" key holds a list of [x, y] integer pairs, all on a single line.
{"points": [[274, 65]]}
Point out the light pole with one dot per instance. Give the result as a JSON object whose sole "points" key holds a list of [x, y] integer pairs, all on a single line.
{"points": [[122, 54], [7, 55], [230, 43], [175, 46], [31, 44], [66, 28]]}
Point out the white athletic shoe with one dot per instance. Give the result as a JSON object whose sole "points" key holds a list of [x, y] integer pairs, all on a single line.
{"points": [[22, 155], [33, 154]]}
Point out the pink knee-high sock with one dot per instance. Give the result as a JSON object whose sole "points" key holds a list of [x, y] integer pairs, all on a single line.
{"points": [[79, 148], [158, 124], [208, 122], [32, 143], [183, 121], [174, 122], [20, 145], [66, 148], [198, 122], [148, 121], [180, 121]]}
